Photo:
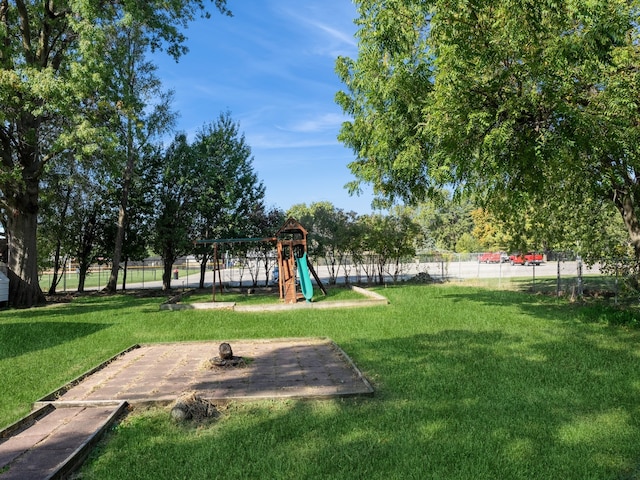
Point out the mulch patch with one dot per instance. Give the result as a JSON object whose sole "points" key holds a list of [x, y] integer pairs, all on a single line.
{"points": [[66, 297]]}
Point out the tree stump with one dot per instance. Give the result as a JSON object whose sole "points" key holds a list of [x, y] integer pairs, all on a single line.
{"points": [[225, 351]]}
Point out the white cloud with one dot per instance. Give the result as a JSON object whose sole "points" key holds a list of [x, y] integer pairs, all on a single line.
{"points": [[346, 38], [331, 26], [269, 141], [327, 121]]}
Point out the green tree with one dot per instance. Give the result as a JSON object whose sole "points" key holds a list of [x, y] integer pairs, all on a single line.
{"points": [[387, 241], [88, 224], [57, 204], [208, 189], [141, 114], [52, 71], [387, 87], [73, 213], [467, 243], [329, 232], [175, 204], [546, 113], [488, 231], [264, 223], [514, 102], [226, 187], [443, 221], [140, 206]]}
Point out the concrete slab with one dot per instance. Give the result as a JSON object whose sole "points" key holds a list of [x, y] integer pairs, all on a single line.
{"points": [[165, 371], [56, 443], [50, 443], [372, 299]]}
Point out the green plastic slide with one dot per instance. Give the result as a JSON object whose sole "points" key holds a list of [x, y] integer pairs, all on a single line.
{"points": [[305, 278]]}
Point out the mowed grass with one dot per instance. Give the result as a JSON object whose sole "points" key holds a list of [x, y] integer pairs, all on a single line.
{"points": [[99, 276], [470, 383]]}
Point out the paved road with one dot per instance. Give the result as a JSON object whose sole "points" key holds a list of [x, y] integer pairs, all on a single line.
{"points": [[470, 270], [438, 270], [452, 271]]}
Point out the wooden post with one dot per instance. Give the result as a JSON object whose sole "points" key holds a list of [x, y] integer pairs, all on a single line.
{"points": [[215, 262]]}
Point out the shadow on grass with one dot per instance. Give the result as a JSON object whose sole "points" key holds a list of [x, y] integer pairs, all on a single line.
{"points": [[469, 404], [89, 303], [35, 329], [549, 307], [24, 337], [454, 404]]}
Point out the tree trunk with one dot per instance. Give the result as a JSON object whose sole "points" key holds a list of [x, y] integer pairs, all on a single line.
{"points": [[21, 213], [625, 204], [331, 262], [83, 269], [265, 264], [54, 282], [22, 225], [166, 273], [60, 227], [84, 254], [203, 270], [124, 274], [56, 269], [117, 251], [122, 217]]}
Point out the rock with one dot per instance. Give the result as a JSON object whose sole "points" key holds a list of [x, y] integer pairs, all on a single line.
{"points": [[180, 413], [190, 406]]}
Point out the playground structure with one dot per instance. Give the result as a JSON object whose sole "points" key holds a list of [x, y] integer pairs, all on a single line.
{"points": [[294, 267], [291, 244]]}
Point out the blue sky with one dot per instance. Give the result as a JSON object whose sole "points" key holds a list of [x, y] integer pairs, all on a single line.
{"points": [[271, 66]]}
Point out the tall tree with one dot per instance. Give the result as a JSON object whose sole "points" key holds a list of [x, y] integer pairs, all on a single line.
{"points": [[388, 240], [137, 228], [142, 114], [544, 101], [264, 223], [208, 189], [175, 202], [515, 102], [51, 67], [72, 215], [387, 87], [227, 189], [329, 231]]}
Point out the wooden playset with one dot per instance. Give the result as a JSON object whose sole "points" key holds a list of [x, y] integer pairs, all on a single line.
{"points": [[294, 267]]}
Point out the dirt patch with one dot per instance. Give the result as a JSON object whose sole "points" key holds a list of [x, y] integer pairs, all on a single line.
{"points": [[66, 297], [189, 406], [220, 363]]}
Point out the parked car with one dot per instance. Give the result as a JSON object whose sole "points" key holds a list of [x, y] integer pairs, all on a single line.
{"points": [[493, 257], [530, 258]]}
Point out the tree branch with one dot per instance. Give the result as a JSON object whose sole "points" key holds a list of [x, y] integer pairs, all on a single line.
{"points": [[25, 30]]}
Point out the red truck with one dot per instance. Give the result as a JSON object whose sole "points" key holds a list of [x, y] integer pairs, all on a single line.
{"points": [[493, 257], [530, 258]]}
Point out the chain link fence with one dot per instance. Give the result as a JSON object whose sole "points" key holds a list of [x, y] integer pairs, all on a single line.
{"points": [[559, 273]]}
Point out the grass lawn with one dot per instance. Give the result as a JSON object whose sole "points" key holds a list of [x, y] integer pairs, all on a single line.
{"points": [[471, 383], [99, 276]]}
